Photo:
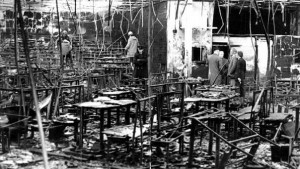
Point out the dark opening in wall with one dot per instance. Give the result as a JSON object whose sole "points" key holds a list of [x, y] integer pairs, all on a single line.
{"points": [[198, 54]]}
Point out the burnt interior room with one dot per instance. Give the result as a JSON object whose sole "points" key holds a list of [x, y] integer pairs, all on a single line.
{"points": [[134, 84]]}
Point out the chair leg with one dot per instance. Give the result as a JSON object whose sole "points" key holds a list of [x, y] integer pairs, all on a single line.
{"points": [[108, 148], [181, 144], [167, 156], [5, 140], [201, 136], [25, 137]]}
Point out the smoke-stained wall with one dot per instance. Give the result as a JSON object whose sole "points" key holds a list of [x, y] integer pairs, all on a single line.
{"points": [[137, 21]]}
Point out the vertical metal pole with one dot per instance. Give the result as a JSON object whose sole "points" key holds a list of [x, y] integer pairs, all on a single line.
{"points": [[59, 36], [16, 39], [17, 58], [255, 64], [38, 115], [149, 46], [192, 140], [297, 119], [217, 127], [149, 66]]}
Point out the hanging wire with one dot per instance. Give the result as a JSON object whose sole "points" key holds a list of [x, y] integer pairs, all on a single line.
{"points": [[103, 31], [156, 20], [140, 24], [227, 19], [242, 7], [96, 30], [109, 11], [136, 15], [130, 8], [274, 35], [72, 14], [250, 27], [121, 25], [266, 36], [33, 88], [221, 18], [269, 13], [142, 13], [59, 37]]}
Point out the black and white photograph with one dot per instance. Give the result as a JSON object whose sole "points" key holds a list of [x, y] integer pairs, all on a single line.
{"points": [[150, 84]]}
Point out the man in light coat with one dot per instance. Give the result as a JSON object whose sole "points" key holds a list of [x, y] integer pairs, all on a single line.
{"points": [[131, 47], [132, 44], [214, 68]]}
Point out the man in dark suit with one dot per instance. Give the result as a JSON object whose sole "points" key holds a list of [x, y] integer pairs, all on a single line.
{"points": [[240, 75]]}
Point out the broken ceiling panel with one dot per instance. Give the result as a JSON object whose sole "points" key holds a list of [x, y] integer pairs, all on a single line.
{"points": [[69, 5]]}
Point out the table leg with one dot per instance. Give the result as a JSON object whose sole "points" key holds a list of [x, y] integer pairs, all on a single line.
{"points": [[210, 124], [235, 129], [210, 145], [192, 139], [101, 129], [81, 128], [297, 119], [76, 130], [227, 105], [217, 126], [109, 118], [197, 107], [118, 116], [209, 105], [127, 115]]}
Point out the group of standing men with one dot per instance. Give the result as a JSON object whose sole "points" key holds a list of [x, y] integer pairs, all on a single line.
{"points": [[233, 68]]}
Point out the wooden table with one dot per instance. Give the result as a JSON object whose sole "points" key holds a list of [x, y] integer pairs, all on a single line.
{"points": [[213, 123], [194, 84], [118, 95], [103, 106], [292, 81], [214, 89], [127, 103], [98, 106], [197, 100]]}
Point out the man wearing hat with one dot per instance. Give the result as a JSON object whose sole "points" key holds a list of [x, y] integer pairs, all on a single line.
{"points": [[131, 46]]}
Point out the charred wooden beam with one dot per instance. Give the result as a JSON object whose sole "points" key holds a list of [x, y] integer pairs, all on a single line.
{"points": [[34, 93]]}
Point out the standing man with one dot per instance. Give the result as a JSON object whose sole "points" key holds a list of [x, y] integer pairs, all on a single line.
{"points": [[240, 75], [213, 65], [66, 47], [131, 47], [140, 63], [232, 67], [223, 66]]}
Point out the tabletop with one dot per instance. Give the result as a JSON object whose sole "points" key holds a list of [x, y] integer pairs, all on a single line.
{"points": [[95, 105], [198, 99], [207, 88], [121, 102], [287, 80]]}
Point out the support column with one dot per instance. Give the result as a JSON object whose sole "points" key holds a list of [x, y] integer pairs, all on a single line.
{"points": [[188, 33]]}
